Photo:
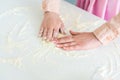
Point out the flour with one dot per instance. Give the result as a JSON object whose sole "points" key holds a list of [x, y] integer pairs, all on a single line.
{"points": [[13, 61], [22, 42]]}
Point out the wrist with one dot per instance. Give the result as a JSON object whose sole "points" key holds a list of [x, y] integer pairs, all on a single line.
{"points": [[49, 12], [96, 38]]}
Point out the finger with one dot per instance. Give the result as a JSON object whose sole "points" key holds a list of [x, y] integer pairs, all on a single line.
{"points": [[45, 34], [73, 47], [74, 33], [41, 31], [55, 32], [64, 39], [49, 34], [66, 44]]}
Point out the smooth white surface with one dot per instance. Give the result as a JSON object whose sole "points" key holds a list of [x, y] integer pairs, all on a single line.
{"points": [[24, 56]]}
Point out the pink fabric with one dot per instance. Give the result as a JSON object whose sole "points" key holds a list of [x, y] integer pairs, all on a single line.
{"points": [[105, 9]]}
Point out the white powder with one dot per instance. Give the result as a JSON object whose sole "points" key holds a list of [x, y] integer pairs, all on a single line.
{"points": [[13, 61], [22, 41]]}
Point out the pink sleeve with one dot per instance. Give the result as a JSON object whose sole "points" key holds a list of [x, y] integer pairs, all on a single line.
{"points": [[109, 31], [51, 5]]}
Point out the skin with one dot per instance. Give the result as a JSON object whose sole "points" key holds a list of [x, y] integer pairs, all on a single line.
{"points": [[78, 41], [51, 26]]}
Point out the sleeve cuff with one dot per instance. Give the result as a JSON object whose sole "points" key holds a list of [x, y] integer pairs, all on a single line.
{"points": [[108, 31], [104, 34], [51, 5]]}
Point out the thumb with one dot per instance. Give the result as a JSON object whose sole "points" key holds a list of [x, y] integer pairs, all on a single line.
{"points": [[73, 33]]}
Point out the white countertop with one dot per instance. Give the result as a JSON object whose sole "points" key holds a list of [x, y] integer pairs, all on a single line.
{"points": [[24, 56]]}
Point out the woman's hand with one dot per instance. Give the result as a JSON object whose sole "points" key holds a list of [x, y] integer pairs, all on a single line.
{"points": [[51, 26], [78, 41]]}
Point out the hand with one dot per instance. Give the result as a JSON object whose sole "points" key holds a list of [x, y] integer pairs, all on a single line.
{"points": [[51, 26], [78, 41]]}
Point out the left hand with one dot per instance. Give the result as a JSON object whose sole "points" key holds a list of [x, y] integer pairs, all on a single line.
{"points": [[78, 41], [51, 26]]}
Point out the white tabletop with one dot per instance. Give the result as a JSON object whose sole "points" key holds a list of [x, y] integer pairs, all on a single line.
{"points": [[24, 56]]}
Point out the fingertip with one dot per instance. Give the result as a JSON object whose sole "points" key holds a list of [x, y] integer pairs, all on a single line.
{"points": [[44, 37], [47, 39], [59, 46], [55, 33], [40, 34], [54, 40], [71, 32], [44, 34], [65, 48]]}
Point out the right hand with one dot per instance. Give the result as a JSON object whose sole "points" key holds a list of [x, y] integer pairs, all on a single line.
{"points": [[51, 25]]}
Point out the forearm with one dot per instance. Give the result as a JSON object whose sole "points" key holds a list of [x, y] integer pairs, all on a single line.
{"points": [[51, 5], [108, 31]]}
